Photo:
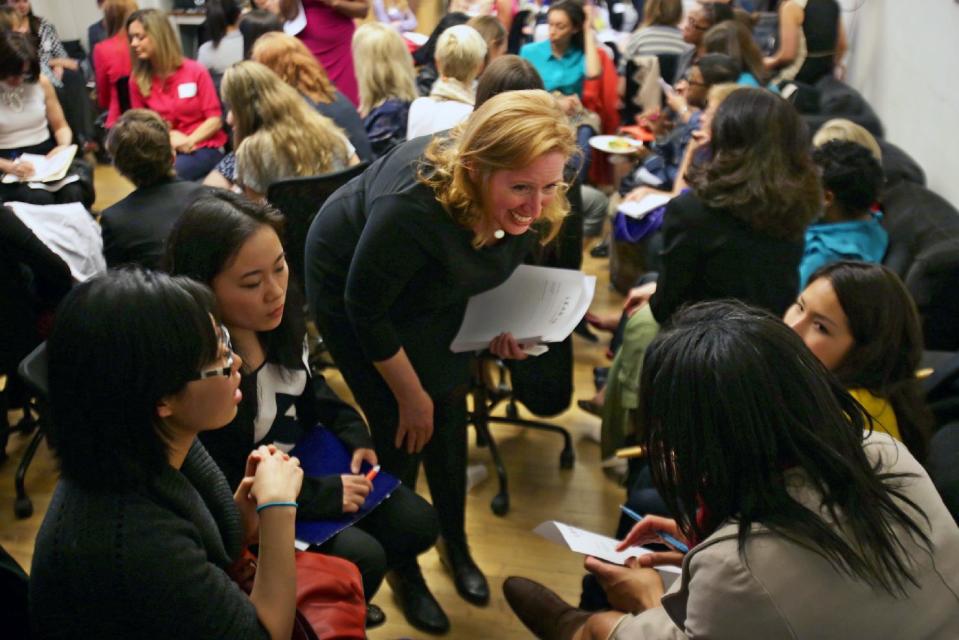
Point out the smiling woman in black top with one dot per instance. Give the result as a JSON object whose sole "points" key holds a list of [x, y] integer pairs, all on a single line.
{"points": [[391, 260]]}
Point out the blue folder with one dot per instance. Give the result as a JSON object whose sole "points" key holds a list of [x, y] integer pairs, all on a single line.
{"points": [[322, 454]]}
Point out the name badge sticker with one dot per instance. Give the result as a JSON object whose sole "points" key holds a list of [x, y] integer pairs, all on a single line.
{"points": [[186, 90]]}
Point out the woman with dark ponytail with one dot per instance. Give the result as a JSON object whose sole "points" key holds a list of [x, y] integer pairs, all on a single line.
{"points": [[225, 46]]}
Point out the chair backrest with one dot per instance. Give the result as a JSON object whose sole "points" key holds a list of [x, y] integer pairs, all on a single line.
{"points": [[123, 93], [33, 371], [668, 66], [943, 466], [299, 200], [924, 250]]}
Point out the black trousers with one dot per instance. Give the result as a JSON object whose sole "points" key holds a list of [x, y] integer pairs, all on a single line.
{"points": [[443, 457], [390, 537]]}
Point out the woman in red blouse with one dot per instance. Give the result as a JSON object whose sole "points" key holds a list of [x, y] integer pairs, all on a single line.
{"points": [[111, 57], [177, 88]]}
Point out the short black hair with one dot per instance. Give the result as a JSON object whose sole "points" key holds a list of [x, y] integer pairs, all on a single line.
{"points": [[209, 234], [852, 173], [16, 51], [506, 73], [121, 343], [254, 24], [718, 68]]}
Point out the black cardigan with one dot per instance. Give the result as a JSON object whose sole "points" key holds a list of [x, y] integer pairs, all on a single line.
{"points": [[708, 254]]}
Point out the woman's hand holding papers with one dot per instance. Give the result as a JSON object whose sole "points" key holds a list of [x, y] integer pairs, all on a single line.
{"points": [[647, 531], [505, 347]]}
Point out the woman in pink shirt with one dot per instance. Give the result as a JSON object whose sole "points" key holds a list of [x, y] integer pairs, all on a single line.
{"points": [[329, 35], [179, 89], [111, 57]]}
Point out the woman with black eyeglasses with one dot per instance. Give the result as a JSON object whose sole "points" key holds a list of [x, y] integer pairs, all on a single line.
{"points": [[234, 246], [142, 528]]}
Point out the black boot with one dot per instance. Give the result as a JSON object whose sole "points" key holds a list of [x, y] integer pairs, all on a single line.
{"points": [[419, 606], [470, 581], [374, 616]]}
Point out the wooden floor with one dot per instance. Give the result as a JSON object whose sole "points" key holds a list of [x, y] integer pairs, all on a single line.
{"points": [[502, 546]]}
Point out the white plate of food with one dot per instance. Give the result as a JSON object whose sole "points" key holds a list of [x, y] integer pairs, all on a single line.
{"points": [[615, 144]]}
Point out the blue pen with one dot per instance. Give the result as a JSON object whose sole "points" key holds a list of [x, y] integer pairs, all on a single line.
{"points": [[679, 546]]}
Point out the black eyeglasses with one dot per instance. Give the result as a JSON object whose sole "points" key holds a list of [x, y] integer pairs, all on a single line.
{"points": [[225, 371]]}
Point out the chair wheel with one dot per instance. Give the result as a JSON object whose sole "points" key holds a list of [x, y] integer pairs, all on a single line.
{"points": [[566, 459], [500, 504], [23, 508]]}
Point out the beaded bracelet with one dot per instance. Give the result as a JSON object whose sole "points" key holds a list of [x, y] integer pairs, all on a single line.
{"points": [[276, 504]]}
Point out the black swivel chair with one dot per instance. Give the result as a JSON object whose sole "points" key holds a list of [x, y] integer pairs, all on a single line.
{"points": [[544, 384], [123, 93], [299, 200], [517, 36], [33, 372]]}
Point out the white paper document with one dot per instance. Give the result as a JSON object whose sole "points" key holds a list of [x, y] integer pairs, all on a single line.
{"points": [[593, 544], [46, 169], [536, 304], [639, 209]]}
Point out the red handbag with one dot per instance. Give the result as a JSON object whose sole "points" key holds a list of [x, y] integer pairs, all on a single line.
{"points": [[329, 595]]}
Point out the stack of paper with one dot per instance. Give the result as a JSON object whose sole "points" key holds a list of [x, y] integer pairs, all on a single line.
{"points": [[536, 304], [639, 209], [46, 169]]}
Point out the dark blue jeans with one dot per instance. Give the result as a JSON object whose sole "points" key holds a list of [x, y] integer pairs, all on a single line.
{"points": [[194, 166]]}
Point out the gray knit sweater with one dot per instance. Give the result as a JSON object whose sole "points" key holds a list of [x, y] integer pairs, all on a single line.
{"points": [[148, 563]]}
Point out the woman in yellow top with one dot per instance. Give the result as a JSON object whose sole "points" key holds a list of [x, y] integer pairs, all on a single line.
{"points": [[860, 321]]}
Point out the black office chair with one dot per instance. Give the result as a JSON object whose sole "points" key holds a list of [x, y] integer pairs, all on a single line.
{"points": [[122, 86], [299, 200], [544, 384], [33, 371]]}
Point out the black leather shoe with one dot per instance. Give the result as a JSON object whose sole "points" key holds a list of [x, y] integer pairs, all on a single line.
{"points": [[419, 606], [374, 616], [543, 612], [470, 581]]}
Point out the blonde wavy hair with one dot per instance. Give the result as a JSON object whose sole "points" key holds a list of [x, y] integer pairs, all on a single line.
{"points": [[167, 55], [508, 132], [383, 65], [261, 102], [289, 58]]}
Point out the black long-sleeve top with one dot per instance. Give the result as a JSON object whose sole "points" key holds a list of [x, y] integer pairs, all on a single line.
{"points": [[384, 253], [32, 277], [708, 254]]}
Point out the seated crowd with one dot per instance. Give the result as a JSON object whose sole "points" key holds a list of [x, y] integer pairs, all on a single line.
{"points": [[765, 360]]}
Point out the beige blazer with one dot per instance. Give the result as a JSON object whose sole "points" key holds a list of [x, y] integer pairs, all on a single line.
{"points": [[787, 591]]}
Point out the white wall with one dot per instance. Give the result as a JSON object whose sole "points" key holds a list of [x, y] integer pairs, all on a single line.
{"points": [[72, 17], [904, 58]]}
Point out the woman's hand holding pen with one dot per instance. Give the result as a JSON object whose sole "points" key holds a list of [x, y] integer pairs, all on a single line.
{"points": [[416, 422], [648, 530]]}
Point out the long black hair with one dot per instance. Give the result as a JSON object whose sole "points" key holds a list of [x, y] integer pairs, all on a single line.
{"points": [[220, 14], [209, 234], [122, 342], [887, 343], [731, 399]]}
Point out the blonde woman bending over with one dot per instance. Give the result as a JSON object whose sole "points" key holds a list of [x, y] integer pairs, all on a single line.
{"points": [[387, 81], [307, 143], [289, 58]]}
